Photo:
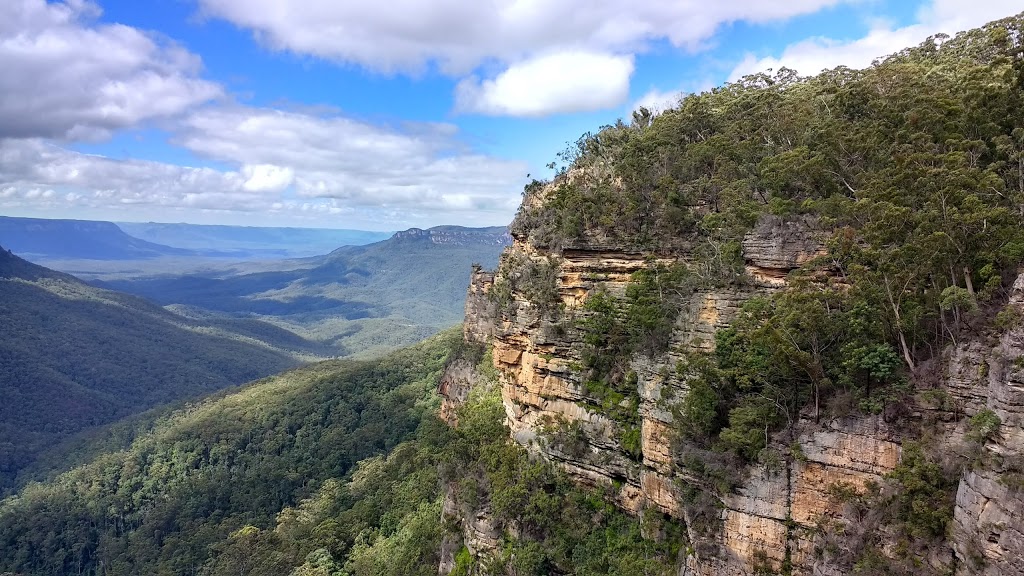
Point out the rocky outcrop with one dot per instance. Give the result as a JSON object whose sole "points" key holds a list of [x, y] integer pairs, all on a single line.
{"points": [[775, 515], [477, 530], [456, 236], [537, 353], [776, 245], [481, 317], [780, 513]]}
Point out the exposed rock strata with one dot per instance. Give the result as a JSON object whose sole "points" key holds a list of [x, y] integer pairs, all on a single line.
{"points": [[775, 517], [988, 521]]}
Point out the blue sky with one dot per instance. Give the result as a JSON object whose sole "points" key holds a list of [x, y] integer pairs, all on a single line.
{"points": [[374, 115]]}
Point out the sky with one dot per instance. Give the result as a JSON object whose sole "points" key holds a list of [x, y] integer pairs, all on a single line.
{"points": [[375, 115]]}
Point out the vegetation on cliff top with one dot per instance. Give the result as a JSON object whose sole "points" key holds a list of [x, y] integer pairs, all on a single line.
{"points": [[913, 167], [913, 171]]}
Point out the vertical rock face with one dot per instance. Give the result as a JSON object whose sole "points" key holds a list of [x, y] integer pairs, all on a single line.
{"points": [[988, 521], [537, 356], [774, 518], [481, 312], [776, 246]]}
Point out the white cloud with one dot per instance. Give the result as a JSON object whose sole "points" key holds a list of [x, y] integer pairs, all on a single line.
{"points": [[657, 101], [508, 44], [360, 163], [406, 35], [65, 76], [813, 55], [267, 178], [550, 84], [284, 165]]}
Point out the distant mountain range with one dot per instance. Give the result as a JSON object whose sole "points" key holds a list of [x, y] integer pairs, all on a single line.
{"points": [[249, 240], [357, 299], [38, 238]]}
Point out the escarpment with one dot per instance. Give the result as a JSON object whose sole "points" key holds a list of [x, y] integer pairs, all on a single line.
{"points": [[773, 512], [788, 314], [789, 514]]}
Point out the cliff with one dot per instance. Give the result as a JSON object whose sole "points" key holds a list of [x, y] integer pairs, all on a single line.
{"points": [[778, 516], [787, 314], [455, 236]]}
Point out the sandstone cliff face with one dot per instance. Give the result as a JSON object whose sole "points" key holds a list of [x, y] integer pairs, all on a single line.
{"points": [[536, 355], [780, 514]]}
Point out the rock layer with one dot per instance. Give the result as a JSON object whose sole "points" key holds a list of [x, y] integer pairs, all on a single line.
{"points": [[774, 518]]}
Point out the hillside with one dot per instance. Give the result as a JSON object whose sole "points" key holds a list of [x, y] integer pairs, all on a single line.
{"points": [[355, 300], [74, 356], [334, 468], [42, 238]]}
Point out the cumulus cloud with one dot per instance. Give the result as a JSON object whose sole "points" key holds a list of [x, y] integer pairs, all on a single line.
{"points": [[297, 166], [458, 34], [357, 162], [66, 76], [813, 55], [267, 178], [519, 41], [550, 84]]}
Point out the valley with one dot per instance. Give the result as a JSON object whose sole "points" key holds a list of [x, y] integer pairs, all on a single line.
{"points": [[774, 328]]}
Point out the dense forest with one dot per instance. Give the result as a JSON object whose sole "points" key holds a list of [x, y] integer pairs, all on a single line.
{"points": [[336, 468], [912, 171], [73, 356]]}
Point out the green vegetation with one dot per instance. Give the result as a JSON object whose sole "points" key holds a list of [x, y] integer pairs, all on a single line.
{"points": [[612, 331], [983, 426], [912, 171], [534, 279], [336, 468], [203, 486], [73, 357], [562, 529], [908, 516]]}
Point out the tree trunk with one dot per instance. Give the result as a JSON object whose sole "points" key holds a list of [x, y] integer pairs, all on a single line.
{"points": [[906, 351], [967, 280]]}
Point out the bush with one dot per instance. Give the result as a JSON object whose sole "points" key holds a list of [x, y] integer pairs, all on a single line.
{"points": [[983, 426]]}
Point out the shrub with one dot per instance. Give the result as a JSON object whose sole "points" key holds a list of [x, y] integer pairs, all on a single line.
{"points": [[983, 426]]}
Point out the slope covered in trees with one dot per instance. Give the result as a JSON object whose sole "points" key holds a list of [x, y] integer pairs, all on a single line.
{"points": [[335, 468], [74, 356], [913, 169]]}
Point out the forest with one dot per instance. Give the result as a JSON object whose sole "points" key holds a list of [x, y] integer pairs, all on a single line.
{"points": [[336, 468], [911, 169], [74, 357]]}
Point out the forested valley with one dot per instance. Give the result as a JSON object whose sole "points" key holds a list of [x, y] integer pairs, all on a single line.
{"points": [[908, 174]]}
